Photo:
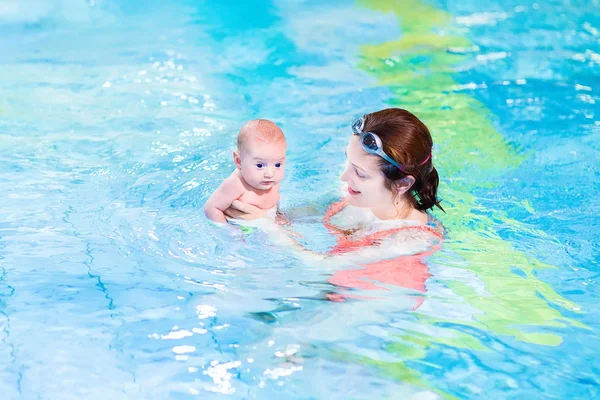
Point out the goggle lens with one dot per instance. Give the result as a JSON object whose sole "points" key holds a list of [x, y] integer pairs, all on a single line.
{"points": [[369, 142]]}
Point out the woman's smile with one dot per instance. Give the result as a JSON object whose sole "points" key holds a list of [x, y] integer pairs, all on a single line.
{"points": [[352, 192]]}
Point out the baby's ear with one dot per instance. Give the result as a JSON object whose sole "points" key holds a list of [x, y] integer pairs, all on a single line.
{"points": [[237, 160]]}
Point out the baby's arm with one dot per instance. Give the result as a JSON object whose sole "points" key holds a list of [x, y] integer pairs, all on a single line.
{"points": [[231, 189]]}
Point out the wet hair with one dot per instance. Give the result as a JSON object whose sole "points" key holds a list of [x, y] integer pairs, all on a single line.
{"points": [[262, 129], [408, 142]]}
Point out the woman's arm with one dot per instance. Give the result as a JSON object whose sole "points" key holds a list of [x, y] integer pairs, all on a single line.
{"points": [[403, 243], [278, 234]]}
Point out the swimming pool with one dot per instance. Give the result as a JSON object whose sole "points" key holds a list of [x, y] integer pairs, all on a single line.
{"points": [[117, 120]]}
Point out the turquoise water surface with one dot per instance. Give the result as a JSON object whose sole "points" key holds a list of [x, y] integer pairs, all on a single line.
{"points": [[118, 119]]}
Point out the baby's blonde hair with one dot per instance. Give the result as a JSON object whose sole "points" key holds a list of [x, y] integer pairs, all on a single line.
{"points": [[262, 129]]}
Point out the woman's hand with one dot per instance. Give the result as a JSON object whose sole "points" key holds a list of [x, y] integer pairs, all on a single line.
{"points": [[247, 212]]}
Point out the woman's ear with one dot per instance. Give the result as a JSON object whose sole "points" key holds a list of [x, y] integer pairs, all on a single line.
{"points": [[237, 160], [403, 185]]}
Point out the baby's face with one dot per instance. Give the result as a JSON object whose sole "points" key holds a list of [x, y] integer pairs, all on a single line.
{"points": [[262, 164]]}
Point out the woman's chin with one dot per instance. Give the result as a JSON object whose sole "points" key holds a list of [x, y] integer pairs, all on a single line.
{"points": [[352, 200]]}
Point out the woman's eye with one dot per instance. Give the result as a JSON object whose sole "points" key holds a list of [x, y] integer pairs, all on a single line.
{"points": [[278, 165], [259, 165]]}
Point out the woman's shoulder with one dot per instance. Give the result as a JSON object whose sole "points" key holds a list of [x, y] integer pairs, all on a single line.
{"points": [[346, 216], [409, 235], [359, 230]]}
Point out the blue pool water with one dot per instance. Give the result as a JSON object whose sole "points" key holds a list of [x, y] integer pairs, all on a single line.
{"points": [[118, 118]]}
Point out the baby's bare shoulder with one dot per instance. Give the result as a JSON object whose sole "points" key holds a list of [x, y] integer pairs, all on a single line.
{"points": [[234, 180], [232, 185]]}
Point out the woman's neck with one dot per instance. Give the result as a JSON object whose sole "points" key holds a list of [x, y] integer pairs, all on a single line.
{"points": [[400, 209]]}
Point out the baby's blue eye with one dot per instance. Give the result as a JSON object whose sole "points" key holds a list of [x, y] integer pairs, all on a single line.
{"points": [[278, 165], [259, 165]]}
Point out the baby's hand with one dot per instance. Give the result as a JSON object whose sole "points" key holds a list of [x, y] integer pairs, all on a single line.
{"points": [[247, 212]]}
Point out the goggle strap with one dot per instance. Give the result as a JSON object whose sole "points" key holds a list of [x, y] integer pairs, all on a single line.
{"points": [[427, 159]]}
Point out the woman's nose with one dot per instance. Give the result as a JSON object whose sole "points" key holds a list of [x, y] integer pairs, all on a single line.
{"points": [[344, 176]]}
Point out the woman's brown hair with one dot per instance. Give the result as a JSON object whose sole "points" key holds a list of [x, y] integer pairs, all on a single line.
{"points": [[408, 142]]}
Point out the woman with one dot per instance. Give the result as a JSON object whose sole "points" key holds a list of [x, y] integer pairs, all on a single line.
{"points": [[391, 183]]}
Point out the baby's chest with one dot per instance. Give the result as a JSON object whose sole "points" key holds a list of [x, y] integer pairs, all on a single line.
{"points": [[263, 201]]}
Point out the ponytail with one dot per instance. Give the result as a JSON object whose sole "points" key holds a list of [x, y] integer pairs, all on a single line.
{"points": [[426, 192]]}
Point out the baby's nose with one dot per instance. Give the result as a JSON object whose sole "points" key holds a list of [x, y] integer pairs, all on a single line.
{"points": [[269, 172]]}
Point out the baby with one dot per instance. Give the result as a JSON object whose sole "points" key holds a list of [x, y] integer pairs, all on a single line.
{"points": [[259, 161]]}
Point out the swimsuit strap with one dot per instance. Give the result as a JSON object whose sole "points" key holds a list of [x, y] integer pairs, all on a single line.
{"points": [[330, 212], [345, 244]]}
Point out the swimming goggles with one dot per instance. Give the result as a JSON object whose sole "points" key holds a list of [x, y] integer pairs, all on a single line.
{"points": [[371, 143]]}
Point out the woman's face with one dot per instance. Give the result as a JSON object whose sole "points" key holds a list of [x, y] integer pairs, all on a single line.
{"points": [[364, 179]]}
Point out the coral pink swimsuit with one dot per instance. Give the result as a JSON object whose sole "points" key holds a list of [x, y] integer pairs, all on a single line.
{"points": [[405, 271]]}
